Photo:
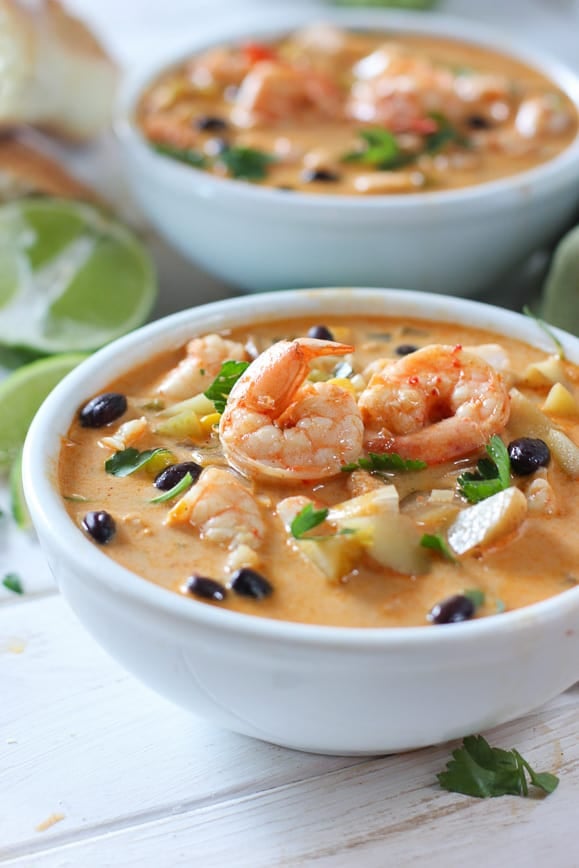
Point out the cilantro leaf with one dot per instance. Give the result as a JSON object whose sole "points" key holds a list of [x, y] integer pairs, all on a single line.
{"points": [[306, 519], [247, 163], [444, 135], [381, 151], [477, 769], [183, 155], [492, 474], [178, 488], [437, 543], [476, 596], [543, 325], [384, 462], [219, 390], [130, 460], [12, 582]]}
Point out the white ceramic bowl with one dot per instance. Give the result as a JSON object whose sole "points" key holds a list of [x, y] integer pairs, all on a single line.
{"points": [[324, 689], [457, 242]]}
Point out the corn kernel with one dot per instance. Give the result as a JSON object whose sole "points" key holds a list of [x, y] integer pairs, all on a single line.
{"points": [[209, 421], [343, 383]]}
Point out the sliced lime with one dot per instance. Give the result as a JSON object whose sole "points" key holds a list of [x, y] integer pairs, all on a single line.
{"points": [[71, 278], [18, 505], [560, 302], [22, 393]]}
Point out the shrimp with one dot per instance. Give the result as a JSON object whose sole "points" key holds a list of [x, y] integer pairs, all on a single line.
{"points": [[437, 404], [200, 366], [277, 425], [274, 92], [225, 513]]}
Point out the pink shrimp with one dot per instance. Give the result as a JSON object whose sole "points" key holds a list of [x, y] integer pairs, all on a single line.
{"points": [[277, 425], [437, 404]]}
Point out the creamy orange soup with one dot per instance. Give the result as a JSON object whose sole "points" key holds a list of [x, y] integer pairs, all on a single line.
{"points": [[330, 111], [328, 484]]}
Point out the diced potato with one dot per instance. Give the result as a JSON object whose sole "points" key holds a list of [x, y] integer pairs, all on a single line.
{"points": [[541, 374], [441, 495], [199, 404], [379, 500], [396, 544], [527, 420], [487, 521], [560, 402], [334, 556], [185, 424]]}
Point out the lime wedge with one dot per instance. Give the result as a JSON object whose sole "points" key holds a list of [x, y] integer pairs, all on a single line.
{"points": [[22, 393], [18, 505], [560, 301], [71, 278]]}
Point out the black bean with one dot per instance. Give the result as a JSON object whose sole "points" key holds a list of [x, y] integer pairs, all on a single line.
{"points": [[102, 410], [324, 176], [527, 454], [100, 525], [249, 583], [206, 588], [405, 349], [174, 473], [478, 122], [452, 610], [210, 124], [321, 333]]}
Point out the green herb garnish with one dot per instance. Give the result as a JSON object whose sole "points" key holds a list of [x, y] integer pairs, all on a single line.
{"points": [[386, 462], [178, 488], [309, 518], [76, 498], [219, 390], [476, 596], [445, 134], [477, 769], [130, 460], [381, 151], [13, 583], [306, 519], [543, 325], [437, 543], [183, 155], [492, 474], [247, 163]]}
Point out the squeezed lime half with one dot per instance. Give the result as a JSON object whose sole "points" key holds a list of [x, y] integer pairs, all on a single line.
{"points": [[22, 393], [71, 277]]}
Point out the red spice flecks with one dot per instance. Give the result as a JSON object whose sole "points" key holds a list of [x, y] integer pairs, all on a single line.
{"points": [[457, 348], [254, 52], [423, 126], [414, 380]]}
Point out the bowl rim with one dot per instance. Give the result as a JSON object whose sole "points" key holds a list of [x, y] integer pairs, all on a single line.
{"points": [[43, 444], [261, 23]]}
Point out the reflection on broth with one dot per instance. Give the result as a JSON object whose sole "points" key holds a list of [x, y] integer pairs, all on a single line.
{"points": [[356, 472], [325, 110]]}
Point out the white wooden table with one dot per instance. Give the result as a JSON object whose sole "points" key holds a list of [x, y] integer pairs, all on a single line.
{"points": [[97, 771]]}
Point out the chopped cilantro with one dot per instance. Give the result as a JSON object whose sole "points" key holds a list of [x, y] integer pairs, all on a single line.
{"points": [[219, 390], [386, 462], [381, 151], [479, 770], [76, 498], [306, 519], [130, 460], [13, 583], [476, 596], [543, 325], [437, 543], [492, 474], [444, 135], [247, 163], [177, 489], [183, 155]]}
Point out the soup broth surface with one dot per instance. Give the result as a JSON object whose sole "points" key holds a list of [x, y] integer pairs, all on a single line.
{"points": [[324, 110], [331, 575]]}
